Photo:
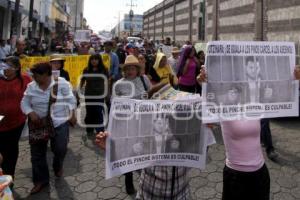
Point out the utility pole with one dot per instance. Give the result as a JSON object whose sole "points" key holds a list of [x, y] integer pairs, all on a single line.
{"points": [[76, 15], [131, 15], [30, 19], [16, 18], [215, 19], [119, 25], [14, 34]]}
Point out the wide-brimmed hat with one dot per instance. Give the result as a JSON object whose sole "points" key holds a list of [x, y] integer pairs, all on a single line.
{"points": [[57, 57], [131, 60], [175, 50]]}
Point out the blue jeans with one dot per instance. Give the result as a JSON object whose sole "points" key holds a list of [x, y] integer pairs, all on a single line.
{"points": [[59, 143]]}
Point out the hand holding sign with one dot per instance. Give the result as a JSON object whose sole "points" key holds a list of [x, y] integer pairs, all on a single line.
{"points": [[202, 77], [101, 139]]}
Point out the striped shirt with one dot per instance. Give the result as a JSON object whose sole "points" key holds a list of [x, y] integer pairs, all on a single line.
{"points": [[159, 182]]}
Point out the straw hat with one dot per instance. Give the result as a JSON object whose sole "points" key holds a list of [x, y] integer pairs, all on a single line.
{"points": [[175, 50], [57, 57], [131, 60]]}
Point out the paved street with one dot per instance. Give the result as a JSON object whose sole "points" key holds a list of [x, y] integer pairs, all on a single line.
{"points": [[84, 170]]}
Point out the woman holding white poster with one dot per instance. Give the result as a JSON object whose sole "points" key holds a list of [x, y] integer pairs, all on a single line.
{"points": [[158, 182], [245, 175], [137, 86]]}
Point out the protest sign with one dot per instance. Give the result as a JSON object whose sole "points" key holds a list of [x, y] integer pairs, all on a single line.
{"points": [[249, 80], [167, 50], [82, 36], [145, 133], [74, 65]]}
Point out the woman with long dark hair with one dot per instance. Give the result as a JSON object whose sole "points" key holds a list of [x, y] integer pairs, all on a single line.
{"points": [[94, 80], [187, 68], [12, 86]]}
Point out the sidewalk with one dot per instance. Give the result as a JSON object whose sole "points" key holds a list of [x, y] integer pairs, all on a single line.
{"points": [[84, 170]]}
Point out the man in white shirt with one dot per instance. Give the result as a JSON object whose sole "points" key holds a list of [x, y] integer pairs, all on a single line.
{"points": [[167, 47], [174, 59]]}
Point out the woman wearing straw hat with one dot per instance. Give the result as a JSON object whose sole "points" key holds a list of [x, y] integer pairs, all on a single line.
{"points": [[57, 63], [137, 86], [131, 71]]}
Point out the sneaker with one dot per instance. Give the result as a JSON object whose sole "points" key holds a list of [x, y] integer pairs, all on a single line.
{"points": [[272, 155]]}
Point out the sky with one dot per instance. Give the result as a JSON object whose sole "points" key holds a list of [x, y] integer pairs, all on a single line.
{"points": [[104, 14]]}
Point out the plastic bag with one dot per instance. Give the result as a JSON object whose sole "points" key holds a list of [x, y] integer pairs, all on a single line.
{"points": [[5, 192]]}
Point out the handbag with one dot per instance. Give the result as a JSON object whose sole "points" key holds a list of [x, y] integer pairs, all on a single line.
{"points": [[42, 131]]}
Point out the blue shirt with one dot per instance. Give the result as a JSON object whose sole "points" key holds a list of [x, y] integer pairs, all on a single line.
{"points": [[114, 67]]}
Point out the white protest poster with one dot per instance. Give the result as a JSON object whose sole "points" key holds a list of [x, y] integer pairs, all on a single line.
{"points": [[249, 80], [167, 50], [145, 133], [82, 36]]}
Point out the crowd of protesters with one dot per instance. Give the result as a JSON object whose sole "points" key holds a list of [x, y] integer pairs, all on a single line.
{"points": [[149, 66]]}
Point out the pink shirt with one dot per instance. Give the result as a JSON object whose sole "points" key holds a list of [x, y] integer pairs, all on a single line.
{"points": [[242, 144], [189, 78]]}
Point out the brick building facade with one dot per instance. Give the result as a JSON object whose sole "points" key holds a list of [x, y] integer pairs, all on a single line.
{"points": [[181, 20]]}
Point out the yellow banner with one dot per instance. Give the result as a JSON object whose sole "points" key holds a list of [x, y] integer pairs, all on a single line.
{"points": [[74, 65], [106, 61]]}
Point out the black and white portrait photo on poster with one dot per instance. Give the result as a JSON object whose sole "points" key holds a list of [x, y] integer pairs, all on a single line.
{"points": [[118, 149], [164, 133], [234, 93], [257, 77], [138, 146]]}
